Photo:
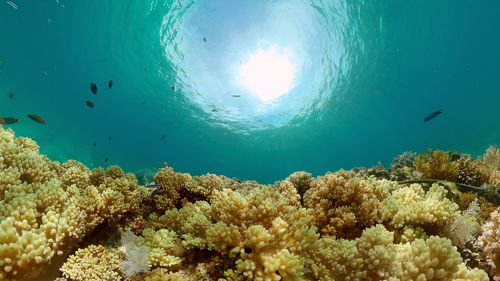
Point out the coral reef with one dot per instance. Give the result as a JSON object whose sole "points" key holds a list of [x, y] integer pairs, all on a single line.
{"points": [[346, 225], [411, 205], [436, 165], [343, 203], [490, 243], [105, 264], [46, 208]]}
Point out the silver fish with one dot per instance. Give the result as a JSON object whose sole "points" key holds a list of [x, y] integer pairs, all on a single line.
{"points": [[12, 4]]}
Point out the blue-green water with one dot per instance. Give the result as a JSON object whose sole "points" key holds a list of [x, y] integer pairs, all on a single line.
{"points": [[366, 74]]}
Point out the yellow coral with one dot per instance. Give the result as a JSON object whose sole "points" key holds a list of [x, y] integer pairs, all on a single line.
{"points": [[463, 274], [163, 245], [46, 207], [411, 205], [431, 259], [436, 165], [369, 257], [172, 185], [93, 263], [343, 203], [411, 233]]}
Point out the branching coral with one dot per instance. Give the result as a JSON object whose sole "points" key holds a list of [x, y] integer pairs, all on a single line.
{"points": [[490, 242], [366, 258], [373, 256], [470, 172], [172, 185], [164, 247], [46, 208], [411, 205], [93, 263], [344, 203], [269, 237], [436, 165], [402, 166]]}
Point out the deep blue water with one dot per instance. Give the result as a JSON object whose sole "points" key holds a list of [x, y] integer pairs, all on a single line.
{"points": [[366, 74]]}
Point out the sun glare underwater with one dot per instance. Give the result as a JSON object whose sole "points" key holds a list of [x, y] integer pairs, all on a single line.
{"points": [[249, 89]]}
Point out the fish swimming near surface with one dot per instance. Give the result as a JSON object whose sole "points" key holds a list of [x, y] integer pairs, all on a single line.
{"points": [[93, 88], [204, 39], [89, 104], [163, 137], [173, 88], [12, 4], [235, 95], [110, 84], [36, 118], [9, 120], [432, 115]]}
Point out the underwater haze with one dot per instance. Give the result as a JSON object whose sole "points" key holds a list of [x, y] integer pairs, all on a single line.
{"points": [[250, 89]]}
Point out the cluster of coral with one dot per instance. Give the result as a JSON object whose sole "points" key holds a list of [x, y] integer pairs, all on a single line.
{"points": [[429, 217]]}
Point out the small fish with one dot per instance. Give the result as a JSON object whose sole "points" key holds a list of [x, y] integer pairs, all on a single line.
{"points": [[45, 73], [94, 144], [163, 137], [152, 186], [36, 118], [235, 95], [109, 138], [143, 102], [432, 115], [204, 39], [110, 84], [12, 4], [10, 120], [93, 88], [11, 94], [173, 88], [165, 163], [106, 160], [89, 104]]}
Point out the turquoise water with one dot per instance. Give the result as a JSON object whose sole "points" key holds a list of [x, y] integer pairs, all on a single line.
{"points": [[365, 74]]}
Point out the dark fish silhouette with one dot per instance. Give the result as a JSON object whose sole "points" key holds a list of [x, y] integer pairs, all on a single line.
{"points": [[109, 138], [204, 39], [143, 102], [93, 88], [110, 84], [106, 160], [163, 137], [173, 88], [8, 120], [89, 104], [432, 115], [11, 94], [36, 118], [95, 143]]}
